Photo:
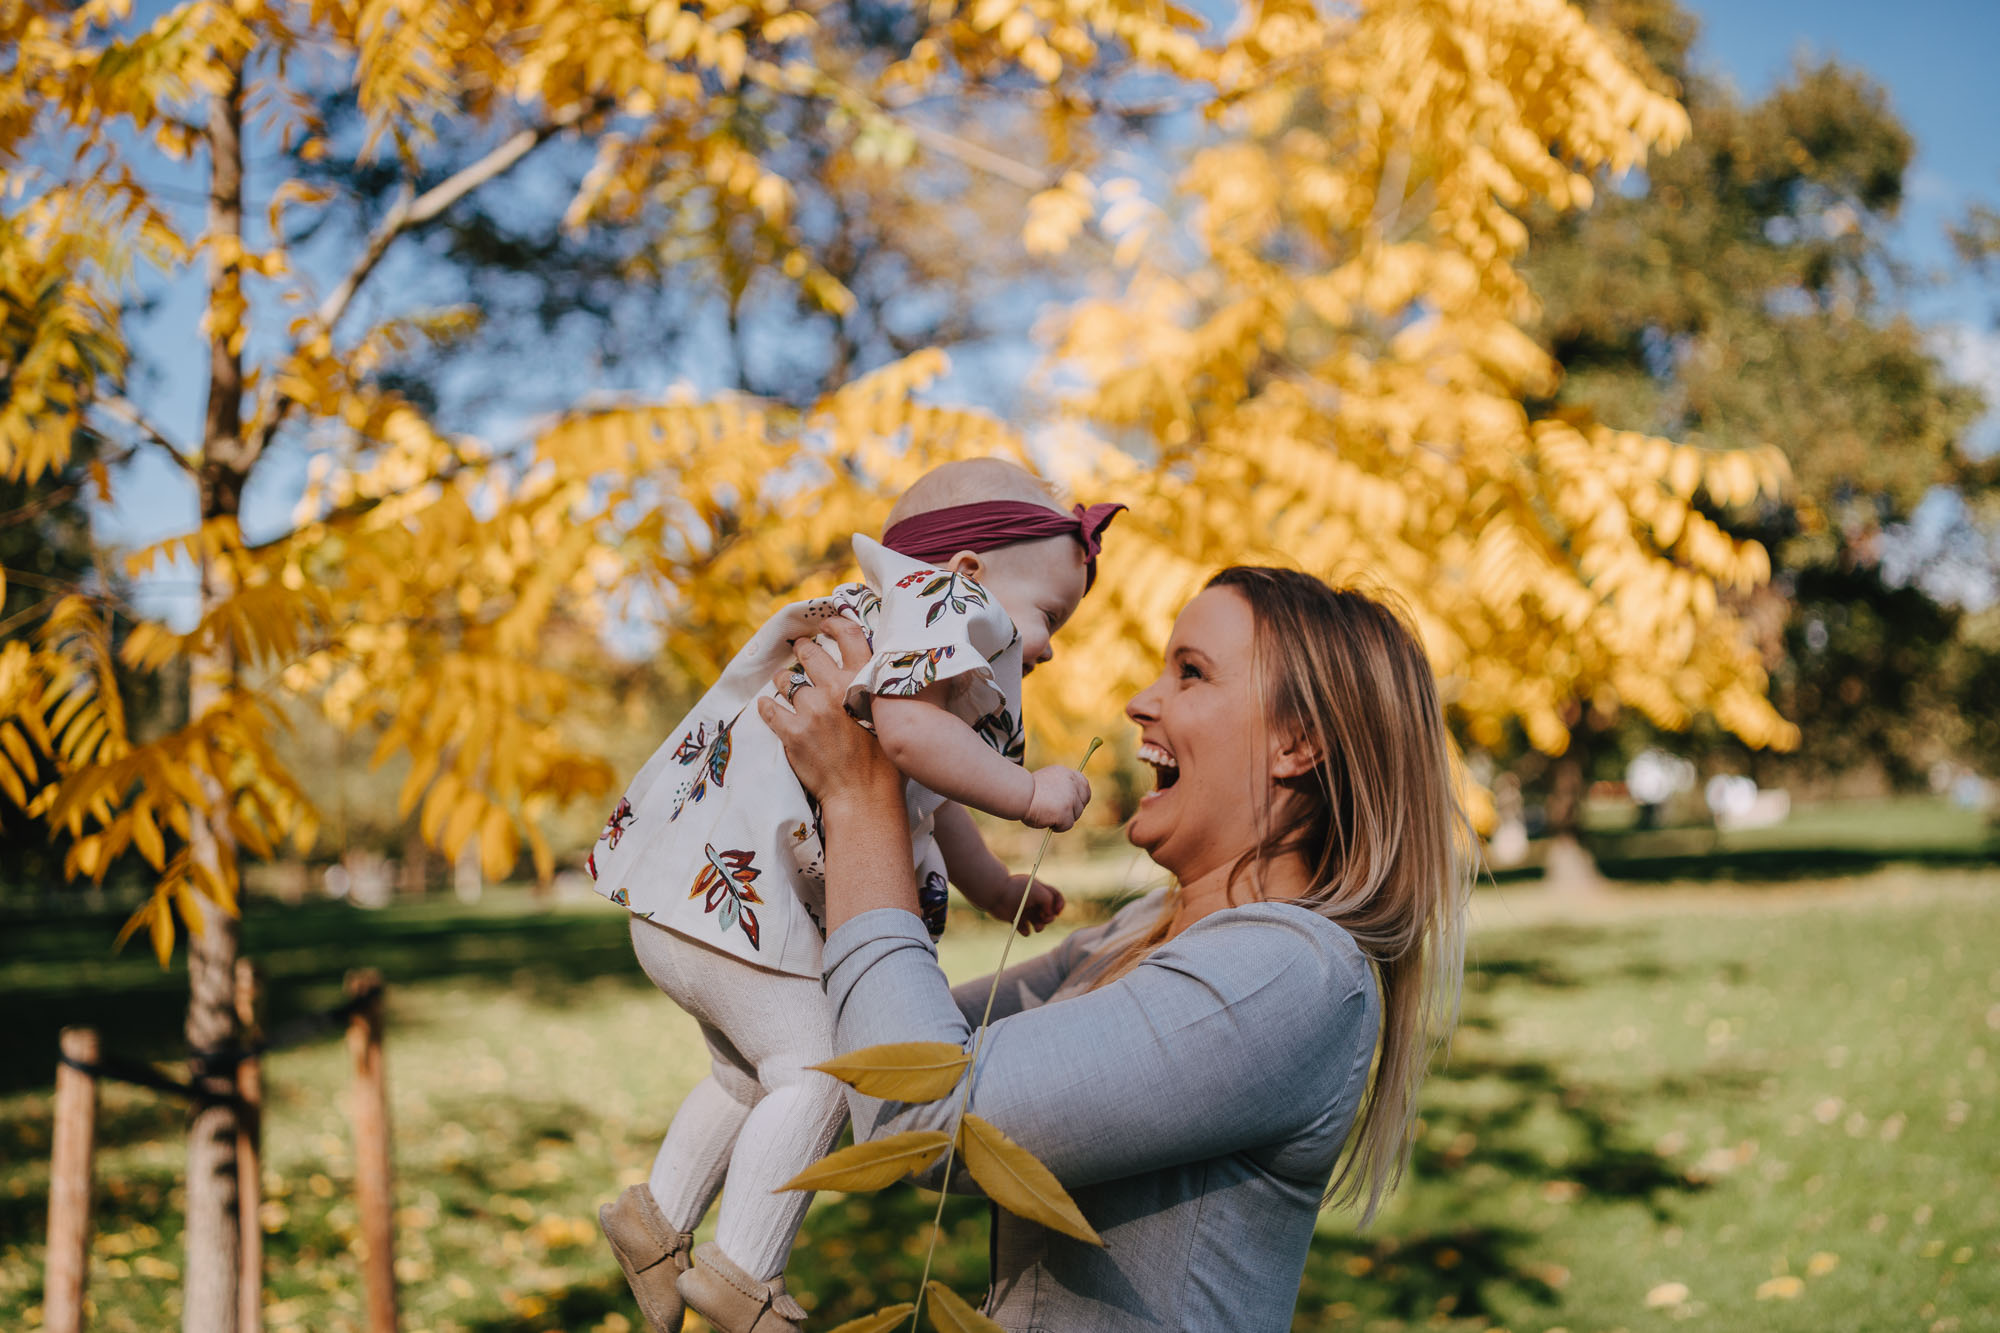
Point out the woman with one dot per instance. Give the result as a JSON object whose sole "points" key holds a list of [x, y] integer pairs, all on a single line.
{"points": [[1193, 1069]]}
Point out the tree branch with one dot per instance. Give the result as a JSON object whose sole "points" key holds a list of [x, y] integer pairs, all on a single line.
{"points": [[984, 159], [357, 508], [414, 211], [126, 412]]}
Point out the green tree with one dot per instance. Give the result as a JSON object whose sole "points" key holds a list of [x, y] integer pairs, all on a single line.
{"points": [[1738, 293]]}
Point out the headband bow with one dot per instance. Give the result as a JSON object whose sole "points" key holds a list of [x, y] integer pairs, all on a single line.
{"points": [[988, 524]]}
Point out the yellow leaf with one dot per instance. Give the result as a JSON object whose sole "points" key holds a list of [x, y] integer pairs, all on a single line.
{"points": [[464, 822], [146, 837], [162, 924], [907, 1071], [884, 1319], [496, 843], [873, 1166], [1784, 1288], [1014, 1179], [950, 1313], [1667, 1293], [141, 917]]}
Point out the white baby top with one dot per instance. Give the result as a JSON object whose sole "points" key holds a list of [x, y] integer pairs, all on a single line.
{"points": [[716, 840]]}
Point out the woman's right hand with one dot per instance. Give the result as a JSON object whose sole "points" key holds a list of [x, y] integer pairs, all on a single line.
{"points": [[833, 756], [868, 857]]}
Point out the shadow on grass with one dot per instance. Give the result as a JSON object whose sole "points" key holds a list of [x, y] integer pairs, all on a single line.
{"points": [[1695, 858], [57, 969], [1492, 1124], [1495, 1123], [1454, 1273], [1700, 854]]}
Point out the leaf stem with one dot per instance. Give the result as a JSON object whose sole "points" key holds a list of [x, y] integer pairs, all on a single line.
{"points": [[979, 1040]]}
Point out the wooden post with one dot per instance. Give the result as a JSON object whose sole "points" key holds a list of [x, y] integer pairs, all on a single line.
{"points": [[69, 1185], [249, 1155], [373, 1190]]}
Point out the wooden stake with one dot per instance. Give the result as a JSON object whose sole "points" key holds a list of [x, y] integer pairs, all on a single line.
{"points": [[373, 1188], [69, 1185], [249, 1155]]}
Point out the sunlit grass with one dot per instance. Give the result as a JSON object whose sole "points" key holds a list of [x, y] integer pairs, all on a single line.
{"points": [[1768, 1109]]}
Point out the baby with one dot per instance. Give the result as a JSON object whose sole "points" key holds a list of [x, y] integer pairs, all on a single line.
{"points": [[716, 852]]}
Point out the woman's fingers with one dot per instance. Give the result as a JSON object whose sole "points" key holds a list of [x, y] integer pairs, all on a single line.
{"points": [[850, 639], [824, 668]]}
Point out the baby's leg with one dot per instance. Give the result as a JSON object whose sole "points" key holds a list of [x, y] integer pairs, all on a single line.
{"points": [[781, 1026], [688, 1169]]}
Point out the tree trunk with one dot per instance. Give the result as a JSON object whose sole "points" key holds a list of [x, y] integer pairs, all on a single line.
{"points": [[1570, 868], [212, 1240], [213, 1237]]}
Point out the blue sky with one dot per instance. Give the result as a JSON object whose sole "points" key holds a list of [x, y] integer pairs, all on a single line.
{"points": [[1936, 58]]}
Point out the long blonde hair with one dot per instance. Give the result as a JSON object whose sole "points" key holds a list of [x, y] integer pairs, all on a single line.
{"points": [[1379, 823]]}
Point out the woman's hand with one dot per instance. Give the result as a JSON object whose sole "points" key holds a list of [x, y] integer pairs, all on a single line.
{"points": [[869, 863], [833, 755]]}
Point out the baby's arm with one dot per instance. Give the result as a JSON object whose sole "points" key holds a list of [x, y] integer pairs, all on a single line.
{"points": [[983, 878], [935, 748]]}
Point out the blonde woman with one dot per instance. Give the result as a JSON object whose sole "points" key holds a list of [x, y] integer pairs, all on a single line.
{"points": [[1207, 1069]]}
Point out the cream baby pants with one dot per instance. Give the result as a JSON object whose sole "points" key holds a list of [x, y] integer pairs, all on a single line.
{"points": [[761, 1116]]}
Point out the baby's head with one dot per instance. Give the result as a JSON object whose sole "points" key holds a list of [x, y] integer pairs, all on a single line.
{"points": [[1038, 579]]}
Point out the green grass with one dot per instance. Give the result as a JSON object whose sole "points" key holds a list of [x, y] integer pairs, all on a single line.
{"points": [[1819, 840], [1687, 1096]]}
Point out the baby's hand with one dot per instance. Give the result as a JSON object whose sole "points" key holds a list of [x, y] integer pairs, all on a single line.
{"points": [[1045, 903], [1059, 797]]}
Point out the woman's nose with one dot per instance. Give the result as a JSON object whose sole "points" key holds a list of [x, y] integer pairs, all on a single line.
{"points": [[1140, 707]]}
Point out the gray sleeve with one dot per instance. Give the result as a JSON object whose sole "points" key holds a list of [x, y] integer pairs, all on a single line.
{"points": [[1239, 1034], [1028, 984]]}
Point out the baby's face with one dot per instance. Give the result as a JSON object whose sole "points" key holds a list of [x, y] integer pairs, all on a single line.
{"points": [[1037, 583]]}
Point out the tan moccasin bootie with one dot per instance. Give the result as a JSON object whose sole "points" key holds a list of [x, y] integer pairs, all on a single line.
{"points": [[652, 1254], [733, 1301]]}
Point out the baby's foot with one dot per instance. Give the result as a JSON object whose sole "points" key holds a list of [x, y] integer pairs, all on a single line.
{"points": [[652, 1254], [733, 1301]]}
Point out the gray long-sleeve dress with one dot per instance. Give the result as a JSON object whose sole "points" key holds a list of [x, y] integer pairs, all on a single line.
{"points": [[1194, 1108]]}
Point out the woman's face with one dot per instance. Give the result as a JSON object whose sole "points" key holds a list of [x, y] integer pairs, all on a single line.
{"points": [[1201, 729]]}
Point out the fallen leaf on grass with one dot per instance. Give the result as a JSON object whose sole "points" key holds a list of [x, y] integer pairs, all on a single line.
{"points": [[1780, 1288], [1667, 1293], [1821, 1264]]}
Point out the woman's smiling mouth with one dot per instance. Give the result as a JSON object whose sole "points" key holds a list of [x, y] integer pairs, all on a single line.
{"points": [[1166, 769]]}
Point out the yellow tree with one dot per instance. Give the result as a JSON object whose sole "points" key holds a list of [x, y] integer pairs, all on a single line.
{"points": [[411, 587], [1328, 363]]}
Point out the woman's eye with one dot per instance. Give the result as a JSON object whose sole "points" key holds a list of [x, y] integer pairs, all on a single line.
{"points": [[1189, 671]]}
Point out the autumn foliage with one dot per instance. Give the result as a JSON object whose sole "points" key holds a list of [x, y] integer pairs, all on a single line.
{"points": [[1314, 353]]}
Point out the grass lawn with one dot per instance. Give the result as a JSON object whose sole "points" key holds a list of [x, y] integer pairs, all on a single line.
{"points": [[1738, 1108]]}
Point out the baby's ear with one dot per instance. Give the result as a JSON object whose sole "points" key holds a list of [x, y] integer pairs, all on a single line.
{"points": [[967, 563]]}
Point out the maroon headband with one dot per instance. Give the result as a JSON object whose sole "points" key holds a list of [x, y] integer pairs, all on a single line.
{"points": [[989, 524]]}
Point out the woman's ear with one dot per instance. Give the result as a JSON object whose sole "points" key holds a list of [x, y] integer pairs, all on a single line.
{"points": [[967, 563], [1294, 757]]}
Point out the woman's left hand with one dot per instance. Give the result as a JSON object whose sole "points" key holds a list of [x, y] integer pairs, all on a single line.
{"points": [[833, 756]]}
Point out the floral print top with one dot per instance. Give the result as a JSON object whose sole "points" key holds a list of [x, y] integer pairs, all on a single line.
{"points": [[716, 840]]}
